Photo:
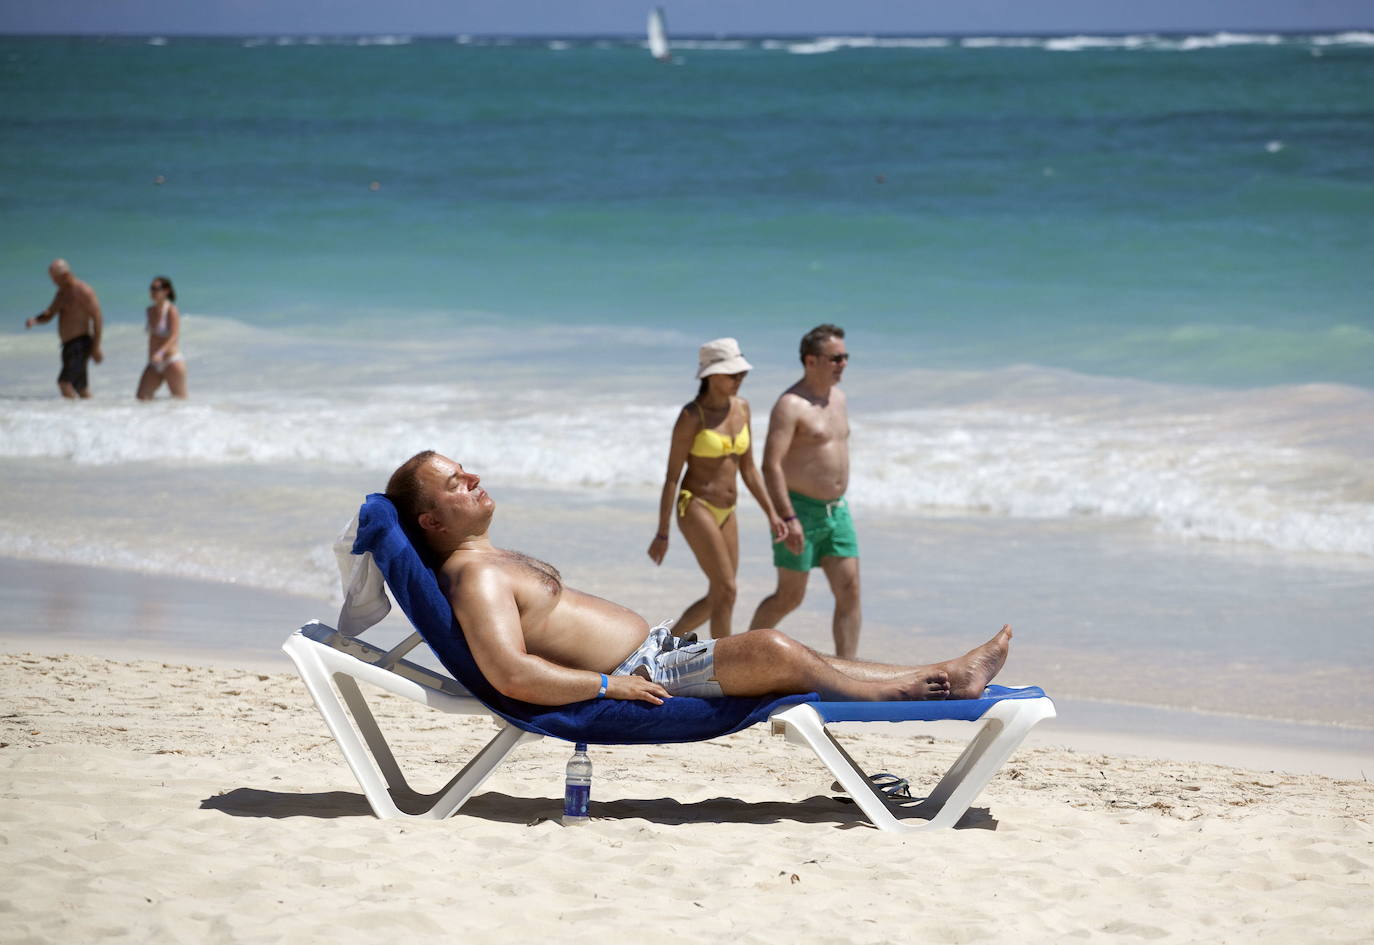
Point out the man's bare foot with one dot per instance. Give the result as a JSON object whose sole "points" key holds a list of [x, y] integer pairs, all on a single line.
{"points": [[928, 682], [970, 673]]}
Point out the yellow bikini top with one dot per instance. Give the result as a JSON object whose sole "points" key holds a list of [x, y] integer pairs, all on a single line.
{"points": [[712, 443]]}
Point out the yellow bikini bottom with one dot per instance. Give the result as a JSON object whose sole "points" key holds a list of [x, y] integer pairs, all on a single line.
{"points": [[721, 515]]}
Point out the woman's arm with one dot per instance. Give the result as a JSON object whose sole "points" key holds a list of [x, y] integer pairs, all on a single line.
{"points": [[683, 431], [754, 483]]}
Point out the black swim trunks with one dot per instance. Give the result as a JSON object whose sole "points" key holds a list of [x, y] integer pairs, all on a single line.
{"points": [[75, 354]]}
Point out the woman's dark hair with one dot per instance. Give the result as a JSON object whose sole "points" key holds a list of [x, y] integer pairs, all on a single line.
{"points": [[701, 391], [171, 291]]}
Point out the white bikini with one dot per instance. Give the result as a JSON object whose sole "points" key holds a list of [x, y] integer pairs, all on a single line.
{"points": [[163, 330]]}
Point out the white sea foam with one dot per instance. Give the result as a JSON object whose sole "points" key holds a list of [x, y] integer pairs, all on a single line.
{"points": [[829, 44], [1184, 474], [1160, 42], [727, 45], [1287, 468], [995, 42], [1076, 43], [1219, 40], [1348, 38]]}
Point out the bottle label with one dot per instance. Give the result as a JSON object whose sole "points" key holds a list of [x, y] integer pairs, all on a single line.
{"points": [[575, 800]]}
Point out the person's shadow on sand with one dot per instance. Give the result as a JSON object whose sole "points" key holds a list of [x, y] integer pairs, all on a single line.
{"points": [[504, 808]]}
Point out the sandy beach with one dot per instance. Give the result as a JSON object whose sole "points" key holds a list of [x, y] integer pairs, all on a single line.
{"points": [[1112, 384], [151, 801]]}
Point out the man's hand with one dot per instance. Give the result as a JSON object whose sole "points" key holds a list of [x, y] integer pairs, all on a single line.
{"points": [[97, 355], [634, 687], [795, 539], [28, 323]]}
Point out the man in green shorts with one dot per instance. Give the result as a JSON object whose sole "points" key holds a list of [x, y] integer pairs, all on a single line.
{"points": [[806, 469]]}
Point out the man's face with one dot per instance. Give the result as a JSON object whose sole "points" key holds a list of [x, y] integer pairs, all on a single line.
{"points": [[57, 275], [460, 506], [832, 360]]}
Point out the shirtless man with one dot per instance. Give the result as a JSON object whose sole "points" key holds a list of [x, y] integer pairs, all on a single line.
{"points": [[806, 469], [537, 640], [78, 325]]}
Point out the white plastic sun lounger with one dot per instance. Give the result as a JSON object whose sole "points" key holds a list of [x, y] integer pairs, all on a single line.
{"points": [[334, 662], [332, 666]]}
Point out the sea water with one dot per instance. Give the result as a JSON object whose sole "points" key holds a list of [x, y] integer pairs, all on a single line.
{"points": [[1107, 300]]}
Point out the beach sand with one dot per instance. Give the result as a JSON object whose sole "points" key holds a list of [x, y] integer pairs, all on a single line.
{"points": [[155, 801]]}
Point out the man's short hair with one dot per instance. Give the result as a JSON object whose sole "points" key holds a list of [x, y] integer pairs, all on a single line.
{"points": [[403, 489], [811, 341]]}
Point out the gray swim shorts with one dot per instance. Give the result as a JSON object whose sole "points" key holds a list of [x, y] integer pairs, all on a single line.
{"points": [[683, 667]]}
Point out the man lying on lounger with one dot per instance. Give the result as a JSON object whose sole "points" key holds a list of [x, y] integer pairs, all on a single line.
{"points": [[539, 641]]}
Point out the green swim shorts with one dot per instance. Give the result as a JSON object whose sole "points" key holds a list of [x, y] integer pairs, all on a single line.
{"points": [[828, 529]]}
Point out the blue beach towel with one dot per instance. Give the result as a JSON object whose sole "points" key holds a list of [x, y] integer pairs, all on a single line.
{"points": [[598, 721]]}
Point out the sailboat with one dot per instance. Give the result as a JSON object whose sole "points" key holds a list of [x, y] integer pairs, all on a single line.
{"points": [[658, 36]]}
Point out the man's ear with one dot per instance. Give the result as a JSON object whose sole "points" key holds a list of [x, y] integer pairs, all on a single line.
{"points": [[427, 521]]}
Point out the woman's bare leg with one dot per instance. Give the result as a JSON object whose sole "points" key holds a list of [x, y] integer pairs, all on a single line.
{"points": [[176, 379], [148, 384], [709, 543]]}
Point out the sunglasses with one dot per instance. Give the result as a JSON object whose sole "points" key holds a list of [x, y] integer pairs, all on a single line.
{"points": [[838, 358], [157, 288]]}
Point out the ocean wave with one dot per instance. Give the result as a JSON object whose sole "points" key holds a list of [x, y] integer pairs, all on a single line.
{"points": [[1281, 468], [1186, 475], [381, 39], [829, 44], [1348, 38], [726, 45]]}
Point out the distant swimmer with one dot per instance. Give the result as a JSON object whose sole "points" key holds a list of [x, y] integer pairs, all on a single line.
{"points": [[711, 438], [806, 467], [165, 360], [79, 325]]}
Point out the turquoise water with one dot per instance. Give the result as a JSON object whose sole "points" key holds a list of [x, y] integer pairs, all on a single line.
{"points": [[1107, 300], [1182, 210]]}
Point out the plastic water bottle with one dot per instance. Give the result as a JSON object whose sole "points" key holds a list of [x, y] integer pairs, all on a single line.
{"points": [[577, 789]]}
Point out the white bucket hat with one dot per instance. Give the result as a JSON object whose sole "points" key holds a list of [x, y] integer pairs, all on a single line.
{"points": [[721, 357]]}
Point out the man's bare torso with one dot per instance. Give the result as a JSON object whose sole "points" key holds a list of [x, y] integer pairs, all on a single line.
{"points": [[817, 461], [76, 306], [560, 624]]}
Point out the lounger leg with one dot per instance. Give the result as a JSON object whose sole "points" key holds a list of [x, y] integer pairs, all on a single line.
{"points": [[377, 771], [1004, 727], [804, 726], [1001, 730], [372, 734], [466, 782], [317, 681]]}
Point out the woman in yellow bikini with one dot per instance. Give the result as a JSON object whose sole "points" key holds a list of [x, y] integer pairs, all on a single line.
{"points": [[711, 437]]}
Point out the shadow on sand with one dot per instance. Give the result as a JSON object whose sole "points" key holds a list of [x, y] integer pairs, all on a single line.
{"points": [[504, 808]]}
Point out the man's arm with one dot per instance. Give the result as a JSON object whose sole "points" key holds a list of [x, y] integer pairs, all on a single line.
{"points": [[45, 316], [97, 325], [484, 603], [782, 427]]}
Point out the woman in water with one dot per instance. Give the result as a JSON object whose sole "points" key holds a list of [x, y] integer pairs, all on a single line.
{"points": [[711, 437], [165, 361]]}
